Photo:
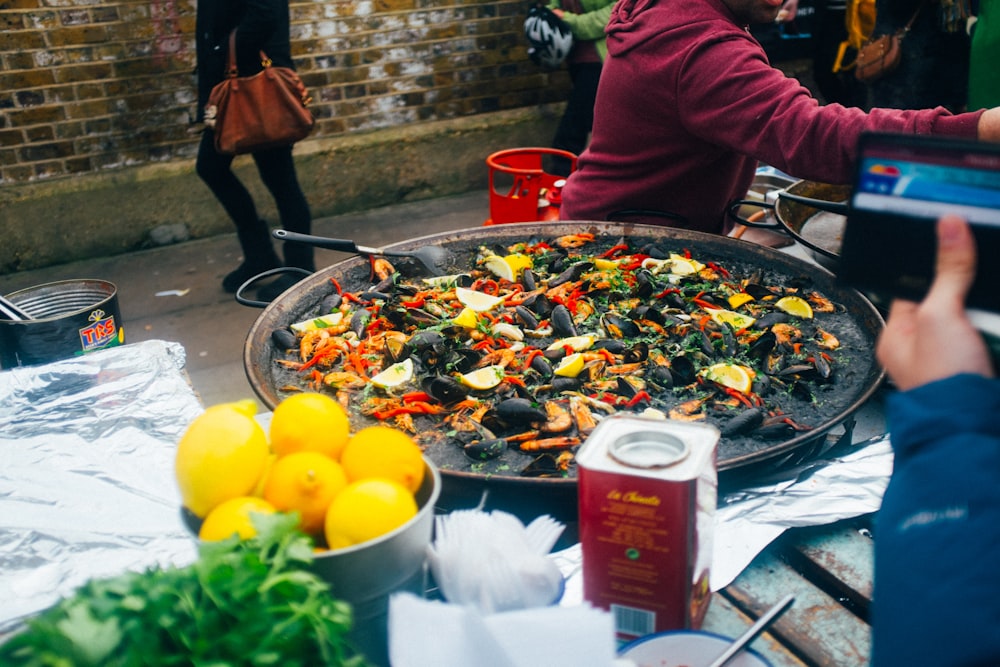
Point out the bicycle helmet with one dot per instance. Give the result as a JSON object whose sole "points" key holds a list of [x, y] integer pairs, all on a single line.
{"points": [[550, 39]]}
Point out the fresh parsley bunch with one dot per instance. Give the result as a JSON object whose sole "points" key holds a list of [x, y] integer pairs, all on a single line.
{"points": [[252, 602]]}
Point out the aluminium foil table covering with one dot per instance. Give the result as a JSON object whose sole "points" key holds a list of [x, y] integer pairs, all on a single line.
{"points": [[87, 486]]}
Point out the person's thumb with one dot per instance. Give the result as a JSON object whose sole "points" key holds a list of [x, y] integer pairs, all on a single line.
{"points": [[956, 261]]}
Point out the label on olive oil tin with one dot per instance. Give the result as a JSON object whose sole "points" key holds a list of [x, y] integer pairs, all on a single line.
{"points": [[647, 494]]}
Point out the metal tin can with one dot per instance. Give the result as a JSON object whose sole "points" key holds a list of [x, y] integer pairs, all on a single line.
{"points": [[70, 317], [647, 494]]}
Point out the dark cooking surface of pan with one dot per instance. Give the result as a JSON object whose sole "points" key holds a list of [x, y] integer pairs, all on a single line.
{"points": [[858, 325]]}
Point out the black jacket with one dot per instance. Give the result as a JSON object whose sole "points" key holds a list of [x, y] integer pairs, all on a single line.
{"points": [[262, 25]]}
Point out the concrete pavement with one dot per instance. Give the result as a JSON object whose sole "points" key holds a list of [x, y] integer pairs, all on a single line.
{"points": [[174, 292]]}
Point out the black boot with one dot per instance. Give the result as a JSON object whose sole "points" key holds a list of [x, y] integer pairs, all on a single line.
{"points": [[258, 255]]}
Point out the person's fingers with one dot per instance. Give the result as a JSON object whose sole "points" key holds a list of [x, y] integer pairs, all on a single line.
{"points": [[956, 261], [896, 337]]}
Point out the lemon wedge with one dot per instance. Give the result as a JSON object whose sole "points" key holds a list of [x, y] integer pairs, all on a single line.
{"points": [[444, 282], [577, 343], [735, 320], [570, 366], [795, 306], [508, 267], [733, 376], [682, 266], [738, 299], [477, 301], [483, 378], [602, 264], [320, 322], [394, 375], [467, 318]]}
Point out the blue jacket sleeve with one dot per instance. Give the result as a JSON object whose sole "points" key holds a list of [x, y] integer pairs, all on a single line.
{"points": [[937, 535]]}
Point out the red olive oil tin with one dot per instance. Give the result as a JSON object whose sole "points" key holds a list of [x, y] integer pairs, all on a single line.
{"points": [[647, 495]]}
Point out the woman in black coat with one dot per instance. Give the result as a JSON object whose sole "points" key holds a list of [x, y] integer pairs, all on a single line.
{"points": [[261, 25]]}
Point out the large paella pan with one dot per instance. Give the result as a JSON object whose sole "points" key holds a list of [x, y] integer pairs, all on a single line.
{"points": [[569, 322]]}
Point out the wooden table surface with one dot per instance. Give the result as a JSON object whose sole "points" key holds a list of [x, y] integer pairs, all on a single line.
{"points": [[829, 570]]}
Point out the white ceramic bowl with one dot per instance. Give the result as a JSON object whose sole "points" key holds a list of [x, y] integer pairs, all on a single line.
{"points": [[685, 649]]}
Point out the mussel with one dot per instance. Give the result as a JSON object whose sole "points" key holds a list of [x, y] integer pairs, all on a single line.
{"points": [[519, 411], [284, 339], [617, 326], [444, 389], [562, 321]]}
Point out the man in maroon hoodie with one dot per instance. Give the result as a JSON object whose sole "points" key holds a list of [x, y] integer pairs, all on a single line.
{"points": [[688, 104]]}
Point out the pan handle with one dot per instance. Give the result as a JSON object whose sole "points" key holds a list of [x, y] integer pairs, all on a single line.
{"points": [[254, 303], [838, 207], [344, 245], [733, 212]]}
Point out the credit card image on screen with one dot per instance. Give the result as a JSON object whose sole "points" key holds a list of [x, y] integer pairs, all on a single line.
{"points": [[902, 185]]}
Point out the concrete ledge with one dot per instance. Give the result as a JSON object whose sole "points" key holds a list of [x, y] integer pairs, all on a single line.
{"points": [[101, 215]]}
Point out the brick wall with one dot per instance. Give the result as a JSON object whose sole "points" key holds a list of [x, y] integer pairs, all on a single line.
{"points": [[91, 86]]}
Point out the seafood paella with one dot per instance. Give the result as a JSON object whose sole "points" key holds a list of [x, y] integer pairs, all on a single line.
{"points": [[507, 364]]}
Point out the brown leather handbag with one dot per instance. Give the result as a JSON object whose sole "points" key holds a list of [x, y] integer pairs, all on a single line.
{"points": [[881, 55], [251, 113]]}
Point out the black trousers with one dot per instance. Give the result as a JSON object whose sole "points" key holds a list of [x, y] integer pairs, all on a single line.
{"points": [[578, 119], [277, 170]]}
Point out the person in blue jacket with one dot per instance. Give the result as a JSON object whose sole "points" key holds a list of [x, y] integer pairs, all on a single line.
{"points": [[937, 535]]}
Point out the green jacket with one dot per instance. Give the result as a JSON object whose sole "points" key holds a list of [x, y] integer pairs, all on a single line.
{"points": [[589, 26]]}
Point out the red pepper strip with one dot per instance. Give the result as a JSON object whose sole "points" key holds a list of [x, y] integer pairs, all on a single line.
{"points": [[490, 287], [669, 290], [416, 396], [701, 303], [703, 321], [513, 379], [328, 351], [687, 253], [641, 396], [484, 344], [614, 250], [417, 301], [336, 286], [568, 350], [717, 268], [350, 296], [417, 408], [531, 357], [740, 396], [631, 266]]}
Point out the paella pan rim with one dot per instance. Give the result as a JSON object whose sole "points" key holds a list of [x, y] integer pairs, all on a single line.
{"points": [[297, 302]]}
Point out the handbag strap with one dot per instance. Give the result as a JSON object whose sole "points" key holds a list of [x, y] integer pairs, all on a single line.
{"points": [[909, 24], [231, 71]]}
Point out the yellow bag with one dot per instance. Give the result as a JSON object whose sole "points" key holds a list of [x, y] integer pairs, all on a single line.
{"points": [[860, 23]]}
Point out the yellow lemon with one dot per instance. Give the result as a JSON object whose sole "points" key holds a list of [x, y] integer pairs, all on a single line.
{"points": [[738, 299], [477, 301], [222, 454], [467, 318], [733, 376], [365, 510], [483, 378], [382, 451], [309, 422], [394, 375], [795, 306], [683, 266], [305, 482], [234, 516], [569, 366], [602, 264], [318, 322], [736, 320], [576, 343]]}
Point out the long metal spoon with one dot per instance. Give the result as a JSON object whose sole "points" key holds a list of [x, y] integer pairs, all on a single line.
{"points": [[433, 258], [9, 311], [756, 629]]}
